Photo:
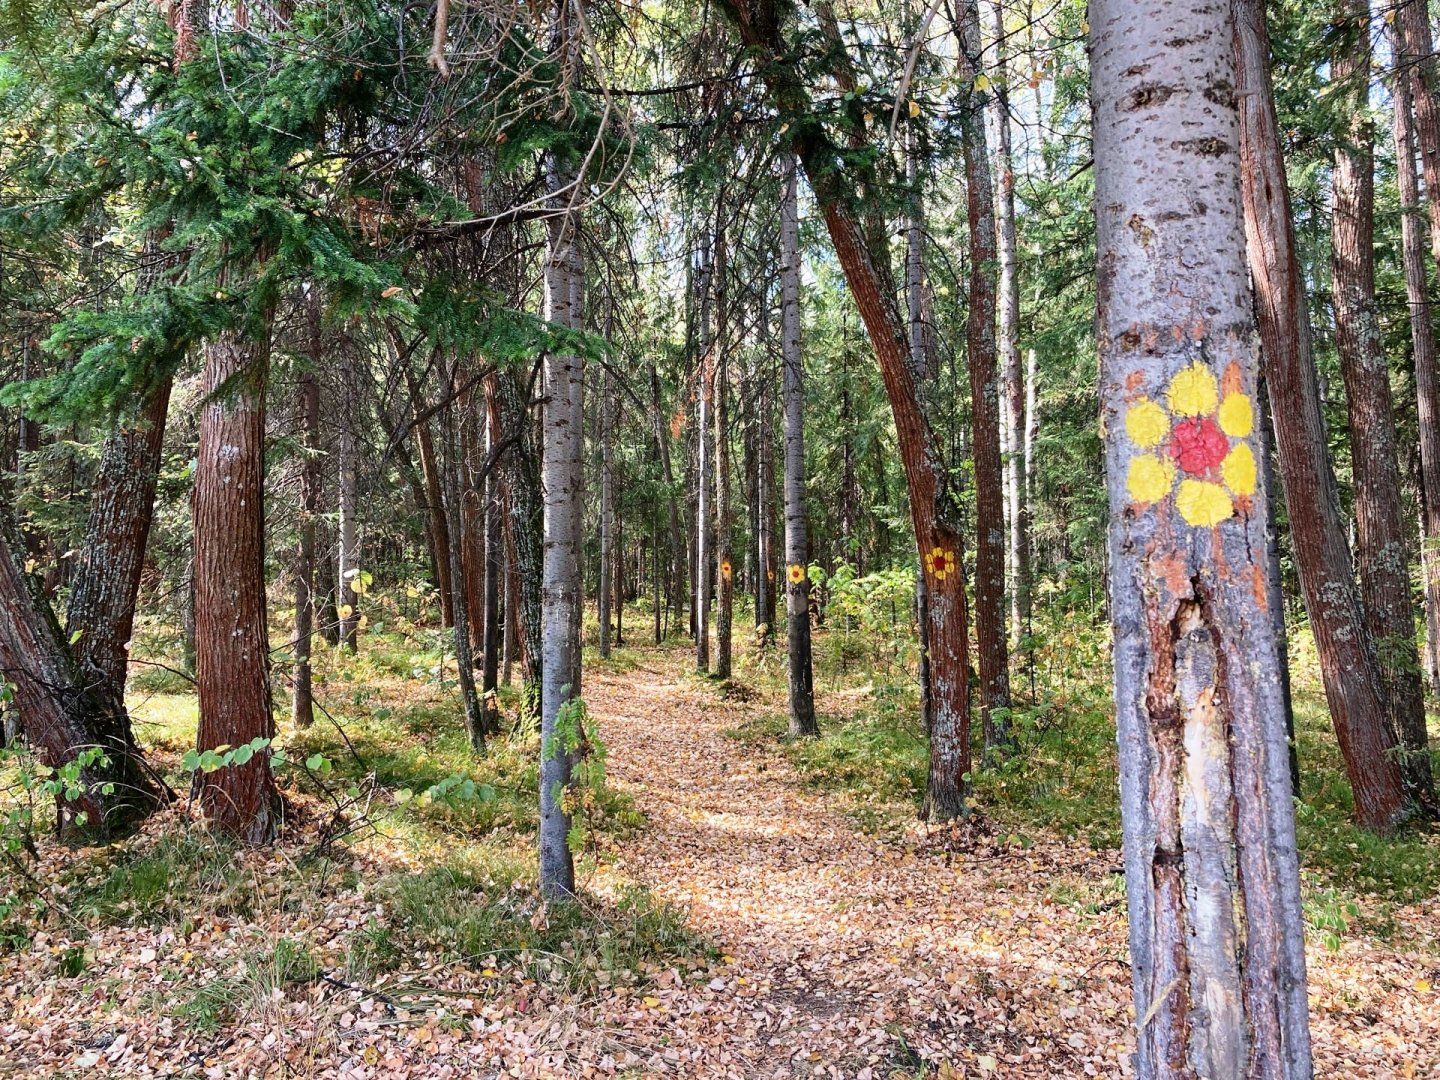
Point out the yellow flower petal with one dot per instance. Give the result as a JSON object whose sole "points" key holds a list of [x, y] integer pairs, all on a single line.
{"points": [[1237, 415], [1150, 478], [1193, 391], [1203, 503], [1238, 468], [1146, 423]]}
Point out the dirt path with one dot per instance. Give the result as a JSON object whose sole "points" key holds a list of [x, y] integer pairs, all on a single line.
{"points": [[850, 955]]}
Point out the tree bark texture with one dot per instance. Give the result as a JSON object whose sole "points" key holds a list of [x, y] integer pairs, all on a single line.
{"points": [[724, 565], [990, 551], [302, 700], [1212, 876], [797, 555], [1382, 550], [704, 402], [1346, 655], [232, 646]]}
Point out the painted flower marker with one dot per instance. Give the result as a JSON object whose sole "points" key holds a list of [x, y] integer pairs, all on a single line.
{"points": [[940, 563], [797, 573], [1195, 441]]}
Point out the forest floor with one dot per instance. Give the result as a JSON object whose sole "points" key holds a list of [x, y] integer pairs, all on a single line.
{"points": [[739, 919]]}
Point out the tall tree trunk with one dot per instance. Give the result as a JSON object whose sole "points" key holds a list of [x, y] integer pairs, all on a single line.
{"points": [[454, 511], [724, 568], [302, 702], [704, 403], [1414, 239], [349, 536], [435, 507], [490, 639], [510, 395], [797, 555], [607, 515], [1217, 945], [1382, 550], [561, 731], [765, 491], [934, 510], [232, 646], [677, 529], [920, 371], [1347, 661], [1018, 512], [990, 631]]}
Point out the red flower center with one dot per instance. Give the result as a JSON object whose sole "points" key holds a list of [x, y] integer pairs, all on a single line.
{"points": [[1198, 445]]}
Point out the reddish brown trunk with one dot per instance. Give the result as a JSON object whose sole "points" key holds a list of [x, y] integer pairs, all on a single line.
{"points": [[435, 507], [1382, 551], [1347, 665], [232, 648]]}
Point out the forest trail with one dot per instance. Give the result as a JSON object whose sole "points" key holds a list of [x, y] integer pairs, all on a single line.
{"points": [[911, 952], [847, 954]]}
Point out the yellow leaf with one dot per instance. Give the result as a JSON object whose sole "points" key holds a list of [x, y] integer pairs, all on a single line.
{"points": [[982, 82], [371, 1055], [1422, 985], [651, 1002], [914, 108]]}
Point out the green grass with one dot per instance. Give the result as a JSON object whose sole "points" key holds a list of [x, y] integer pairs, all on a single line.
{"points": [[209, 1004]]}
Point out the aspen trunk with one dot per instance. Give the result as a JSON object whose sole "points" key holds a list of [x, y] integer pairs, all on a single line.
{"points": [[562, 483], [1347, 661], [677, 530], [1212, 877], [232, 646], [490, 639], [1382, 551], [797, 556], [1013, 382]]}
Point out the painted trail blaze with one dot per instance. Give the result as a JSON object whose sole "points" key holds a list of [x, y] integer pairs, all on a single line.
{"points": [[1196, 437]]}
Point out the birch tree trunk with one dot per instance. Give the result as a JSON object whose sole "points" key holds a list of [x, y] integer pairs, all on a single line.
{"points": [[1012, 380], [490, 638], [1346, 655], [797, 556], [1212, 877], [1382, 550], [1414, 239]]}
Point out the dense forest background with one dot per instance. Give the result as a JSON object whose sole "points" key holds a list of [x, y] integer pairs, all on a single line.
{"points": [[672, 438]]}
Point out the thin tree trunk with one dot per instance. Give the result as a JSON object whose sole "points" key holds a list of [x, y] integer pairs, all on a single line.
{"points": [[1217, 945], [302, 702], [990, 551], [349, 551], [1382, 551], [232, 646], [677, 530], [1346, 657], [435, 499], [490, 643], [453, 509], [704, 403], [1013, 381], [797, 556], [607, 515], [1427, 375], [724, 568]]}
